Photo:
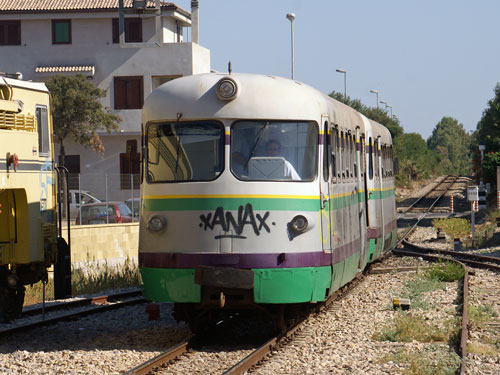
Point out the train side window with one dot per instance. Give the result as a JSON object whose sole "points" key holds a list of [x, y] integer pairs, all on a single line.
{"points": [[390, 162], [355, 155], [383, 162], [362, 158], [337, 155], [342, 154], [351, 149], [347, 156], [370, 158], [42, 121], [376, 158], [326, 153], [333, 157]]}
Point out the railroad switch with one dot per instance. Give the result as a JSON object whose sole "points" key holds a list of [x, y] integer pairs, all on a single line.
{"points": [[401, 303], [153, 310]]}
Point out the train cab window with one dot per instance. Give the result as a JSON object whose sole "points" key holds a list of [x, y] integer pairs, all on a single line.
{"points": [[274, 150], [184, 151], [42, 121]]}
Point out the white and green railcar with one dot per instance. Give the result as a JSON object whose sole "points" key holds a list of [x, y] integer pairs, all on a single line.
{"points": [[258, 191]]}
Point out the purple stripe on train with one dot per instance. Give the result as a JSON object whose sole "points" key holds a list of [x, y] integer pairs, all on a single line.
{"points": [[245, 260], [274, 260]]}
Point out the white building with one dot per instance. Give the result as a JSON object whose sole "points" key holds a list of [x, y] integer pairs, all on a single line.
{"points": [[46, 37]]}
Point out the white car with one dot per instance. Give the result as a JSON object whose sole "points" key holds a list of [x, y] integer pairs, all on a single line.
{"points": [[77, 198]]}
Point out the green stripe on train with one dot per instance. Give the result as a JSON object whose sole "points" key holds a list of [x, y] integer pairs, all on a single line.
{"points": [[277, 204], [271, 285], [203, 204]]}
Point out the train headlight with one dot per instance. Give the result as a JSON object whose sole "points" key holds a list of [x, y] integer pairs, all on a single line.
{"points": [[299, 224], [227, 89], [157, 223]]}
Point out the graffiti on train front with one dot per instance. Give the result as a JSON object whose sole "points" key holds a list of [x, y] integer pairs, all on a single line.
{"points": [[227, 222]]}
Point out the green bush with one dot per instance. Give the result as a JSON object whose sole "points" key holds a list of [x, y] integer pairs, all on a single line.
{"points": [[445, 271], [454, 227]]}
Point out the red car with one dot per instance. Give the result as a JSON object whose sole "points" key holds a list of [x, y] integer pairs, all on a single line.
{"points": [[103, 213]]}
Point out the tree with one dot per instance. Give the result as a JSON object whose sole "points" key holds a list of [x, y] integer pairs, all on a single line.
{"points": [[488, 133], [415, 159], [375, 114], [77, 112], [452, 144]]}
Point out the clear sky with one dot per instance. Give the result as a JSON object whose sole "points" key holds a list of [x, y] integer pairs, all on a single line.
{"points": [[427, 58]]}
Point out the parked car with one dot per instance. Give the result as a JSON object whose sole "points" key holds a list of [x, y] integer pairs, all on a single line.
{"points": [[103, 213], [79, 197], [135, 205]]}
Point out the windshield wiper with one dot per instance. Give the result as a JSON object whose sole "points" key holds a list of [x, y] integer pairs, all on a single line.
{"points": [[261, 131]]}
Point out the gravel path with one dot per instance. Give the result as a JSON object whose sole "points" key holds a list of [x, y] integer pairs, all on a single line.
{"points": [[106, 343], [339, 341]]}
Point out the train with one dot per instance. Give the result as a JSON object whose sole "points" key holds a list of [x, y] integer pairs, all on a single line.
{"points": [[258, 193], [29, 236]]}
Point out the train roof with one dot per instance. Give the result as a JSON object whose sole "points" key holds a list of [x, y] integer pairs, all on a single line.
{"points": [[39, 86], [260, 97]]}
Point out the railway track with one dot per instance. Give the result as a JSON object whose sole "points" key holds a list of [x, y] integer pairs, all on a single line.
{"points": [[71, 310], [429, 201], [244, 363], [424, 205]]}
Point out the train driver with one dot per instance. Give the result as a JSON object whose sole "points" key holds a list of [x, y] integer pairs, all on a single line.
{"points": [[273, 148]]}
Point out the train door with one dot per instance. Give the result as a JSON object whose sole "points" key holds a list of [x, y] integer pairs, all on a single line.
{"points": [[377, 188], [360, 206], [364, 178], [380, 187], [326, 201], [352, 206]]}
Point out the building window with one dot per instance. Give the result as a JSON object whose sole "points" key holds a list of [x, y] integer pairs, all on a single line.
{"points": [[10, 33], [130, 167], [133, 30], [72, 162], [128, 92], [61, 31], [160, 80]]}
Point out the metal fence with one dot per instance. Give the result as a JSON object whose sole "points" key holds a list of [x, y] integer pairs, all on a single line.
{"points": [[86, 190]]}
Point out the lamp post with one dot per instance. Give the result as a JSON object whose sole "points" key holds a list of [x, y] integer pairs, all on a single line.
{"points": [[385, 103], [376, 93], [291, 17], [390, 106], [345, 82]]}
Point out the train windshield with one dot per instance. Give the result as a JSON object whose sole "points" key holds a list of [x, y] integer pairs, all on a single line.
{"points": [[185, 151], [274, 150]]}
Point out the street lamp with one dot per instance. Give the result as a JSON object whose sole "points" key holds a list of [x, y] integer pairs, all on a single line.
{"points": [[383, 102], [345, 84], [376, 93], [390, 106], [291, 17]]}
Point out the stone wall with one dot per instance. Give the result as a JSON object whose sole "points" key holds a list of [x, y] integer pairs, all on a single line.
{"points": [[112, 243]]}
